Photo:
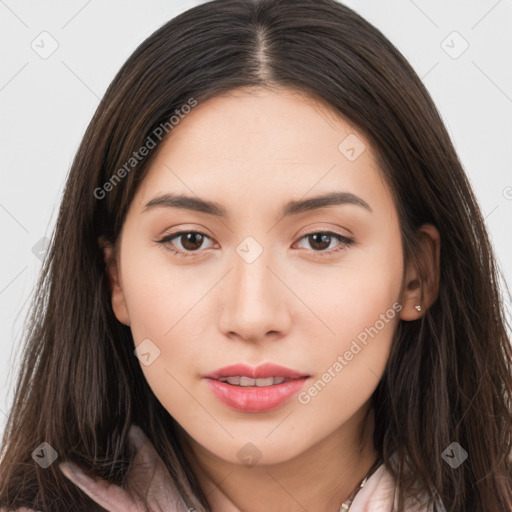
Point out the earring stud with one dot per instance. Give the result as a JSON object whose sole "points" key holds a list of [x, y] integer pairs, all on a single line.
{"points": [[418, 308]]}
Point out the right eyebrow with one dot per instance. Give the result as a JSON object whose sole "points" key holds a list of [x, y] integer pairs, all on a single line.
{"points": [[187, 203]]}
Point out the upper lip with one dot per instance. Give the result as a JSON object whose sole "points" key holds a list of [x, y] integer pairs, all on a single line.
{"points": [[260, 372]]}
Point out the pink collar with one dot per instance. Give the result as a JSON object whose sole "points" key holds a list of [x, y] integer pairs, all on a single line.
{"points": [[379, 495]]}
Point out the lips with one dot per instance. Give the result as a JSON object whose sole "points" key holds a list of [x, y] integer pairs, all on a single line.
{"points": [[247, 381], [263, 371], [255, 390]]}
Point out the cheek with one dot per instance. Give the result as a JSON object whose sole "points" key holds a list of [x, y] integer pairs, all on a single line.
{"points": [[350, 363], [352, 297], [163, 304], [162, 321], [359, 305], [158, 295]]}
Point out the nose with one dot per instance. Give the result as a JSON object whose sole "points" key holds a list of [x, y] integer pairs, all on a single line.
{"points": [[255, 301]]}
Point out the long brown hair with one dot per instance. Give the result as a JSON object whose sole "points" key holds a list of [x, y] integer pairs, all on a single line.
{"points": [[449, 375]]}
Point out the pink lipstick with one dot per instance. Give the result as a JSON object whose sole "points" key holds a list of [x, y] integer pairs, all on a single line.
{"points": [[248, 389]]}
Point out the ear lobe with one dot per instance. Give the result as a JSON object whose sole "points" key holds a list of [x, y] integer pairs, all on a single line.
{"points": [[422, 279], [112, 274]]}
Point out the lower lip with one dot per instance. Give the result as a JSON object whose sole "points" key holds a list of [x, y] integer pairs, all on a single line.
{"points": [[255, 399]]}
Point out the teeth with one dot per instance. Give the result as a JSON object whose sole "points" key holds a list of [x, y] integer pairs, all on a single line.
{"points": [[247, 381]]}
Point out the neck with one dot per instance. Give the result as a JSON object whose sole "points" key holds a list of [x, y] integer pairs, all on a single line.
{"points": [[320, 478]]}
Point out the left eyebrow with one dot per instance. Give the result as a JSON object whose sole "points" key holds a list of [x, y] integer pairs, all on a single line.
{"points": [[291, 208], [316, 202]]}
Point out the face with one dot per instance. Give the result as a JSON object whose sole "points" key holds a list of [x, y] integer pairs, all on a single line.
{"points": [[312, 286]]}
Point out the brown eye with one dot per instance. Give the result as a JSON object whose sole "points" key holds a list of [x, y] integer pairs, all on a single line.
{"points": [[321, 241], [190, 241]]}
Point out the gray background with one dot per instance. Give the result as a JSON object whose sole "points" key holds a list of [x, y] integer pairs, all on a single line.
{"points": [[46, 102]]}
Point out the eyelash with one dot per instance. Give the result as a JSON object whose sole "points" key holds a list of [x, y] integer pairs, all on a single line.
{"points": [[346, 242]]}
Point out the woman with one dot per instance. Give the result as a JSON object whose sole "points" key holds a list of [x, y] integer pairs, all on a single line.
{"points": [[270, 287]]}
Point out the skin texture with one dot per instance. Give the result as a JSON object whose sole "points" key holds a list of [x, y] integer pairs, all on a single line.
{"points": [[252, 151]]}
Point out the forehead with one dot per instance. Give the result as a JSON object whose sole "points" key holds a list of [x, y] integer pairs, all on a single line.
{"points": [[247, 146], [245, 122]]}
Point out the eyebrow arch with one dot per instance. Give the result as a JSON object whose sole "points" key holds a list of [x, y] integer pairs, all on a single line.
{"points": [[321, 201], [291, 208]]}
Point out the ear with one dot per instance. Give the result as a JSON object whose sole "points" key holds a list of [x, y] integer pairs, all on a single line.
{"points": [[421, 282], [112, 271]]}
